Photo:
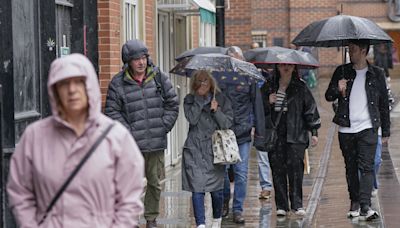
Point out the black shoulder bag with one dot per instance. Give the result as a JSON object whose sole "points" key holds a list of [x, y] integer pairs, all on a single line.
{"points": [[271, 134], [76, 170]]}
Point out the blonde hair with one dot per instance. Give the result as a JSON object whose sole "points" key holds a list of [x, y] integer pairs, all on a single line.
{"points": [[195, 84]]}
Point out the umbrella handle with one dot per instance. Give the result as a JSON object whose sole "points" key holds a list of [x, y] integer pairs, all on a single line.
{"points": [[215, 89]]}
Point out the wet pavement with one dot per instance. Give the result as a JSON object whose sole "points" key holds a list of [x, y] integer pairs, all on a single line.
{"points": [[324, 189]]}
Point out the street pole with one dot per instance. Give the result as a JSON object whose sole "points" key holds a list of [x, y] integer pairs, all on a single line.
{"points": [[220, 26], [2, 190]]}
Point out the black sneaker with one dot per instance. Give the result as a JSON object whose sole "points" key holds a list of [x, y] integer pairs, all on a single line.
{"points": [[238, 218]]}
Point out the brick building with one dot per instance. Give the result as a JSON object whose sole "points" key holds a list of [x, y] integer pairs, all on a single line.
{"points": [[168, 27], [276, 23]]}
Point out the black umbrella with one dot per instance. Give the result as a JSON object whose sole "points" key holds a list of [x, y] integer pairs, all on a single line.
{"points": [[269, 56], [231, 70], [201, 50], [339, 30]]}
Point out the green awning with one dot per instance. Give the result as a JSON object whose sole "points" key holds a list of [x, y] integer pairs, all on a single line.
{"points": [[207, 16]]}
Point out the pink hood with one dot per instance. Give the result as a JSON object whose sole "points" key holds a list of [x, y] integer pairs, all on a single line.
{"points": [[75, 65]]}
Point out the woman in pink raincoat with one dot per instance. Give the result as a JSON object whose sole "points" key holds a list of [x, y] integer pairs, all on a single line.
{"points": [[106, 191]]}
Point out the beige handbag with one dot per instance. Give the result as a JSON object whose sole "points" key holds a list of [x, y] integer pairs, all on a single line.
{"points": [[225, 147]]}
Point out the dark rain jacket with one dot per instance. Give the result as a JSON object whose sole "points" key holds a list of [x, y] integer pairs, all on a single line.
{"points": [[302, 116], [248, 111], [199, 174], [148, 113], [377, 96]]}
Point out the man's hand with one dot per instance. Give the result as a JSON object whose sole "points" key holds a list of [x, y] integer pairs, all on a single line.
{"points": [[342, 85]]}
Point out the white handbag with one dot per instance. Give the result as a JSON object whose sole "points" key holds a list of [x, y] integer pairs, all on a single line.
{"points": [[225, 147]]}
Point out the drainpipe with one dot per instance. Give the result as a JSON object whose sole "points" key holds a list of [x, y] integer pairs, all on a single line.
{"points": [[220, 20]]}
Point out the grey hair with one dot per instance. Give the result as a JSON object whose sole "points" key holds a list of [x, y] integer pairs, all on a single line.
{"points": [[234, 50]]}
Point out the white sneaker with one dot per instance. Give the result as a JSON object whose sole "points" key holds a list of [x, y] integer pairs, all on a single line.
{"points": [[353, 214], [201, 226], [374, 192], [300, 212], [281, 212], [216, 223], [370, 215]]}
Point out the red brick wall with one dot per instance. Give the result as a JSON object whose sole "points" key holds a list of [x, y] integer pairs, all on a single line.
{"points": [[109, 19], [195, 31], [238, 23], [286, 18], [150, 27], [109, 41]]}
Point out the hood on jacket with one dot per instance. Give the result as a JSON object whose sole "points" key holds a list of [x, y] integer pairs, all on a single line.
{"points": [[133, 49], [75, 65]]}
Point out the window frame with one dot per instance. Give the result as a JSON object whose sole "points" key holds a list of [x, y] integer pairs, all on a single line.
{"points": [[130, 22]]}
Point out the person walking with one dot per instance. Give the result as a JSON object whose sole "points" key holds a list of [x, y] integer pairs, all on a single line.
{"points": [[289, 103], [106, 191], [248, 112], [264, 168], [143, 99], [206, 110], [363, 107], [377, 163]]}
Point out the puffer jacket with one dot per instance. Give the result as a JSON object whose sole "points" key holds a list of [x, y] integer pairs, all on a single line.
{"points": [[141, 108], [302, 115], [377, 96]]}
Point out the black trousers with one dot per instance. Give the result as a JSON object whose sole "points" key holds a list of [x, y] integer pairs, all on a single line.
{"points": [[287, 164], [358, 151]]}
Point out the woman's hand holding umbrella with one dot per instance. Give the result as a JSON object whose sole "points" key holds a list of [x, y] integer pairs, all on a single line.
{"points": [[214, 105]]}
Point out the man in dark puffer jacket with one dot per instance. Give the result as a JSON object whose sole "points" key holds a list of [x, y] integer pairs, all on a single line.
{"points": [[143, 99]]}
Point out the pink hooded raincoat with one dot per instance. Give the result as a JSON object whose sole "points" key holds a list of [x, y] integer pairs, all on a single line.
{"points": [[106, 191]]}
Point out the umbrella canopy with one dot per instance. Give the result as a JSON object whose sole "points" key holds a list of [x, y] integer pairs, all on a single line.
{"points": [[201, 50], [232, 70], [269, 56], [339, 30]]}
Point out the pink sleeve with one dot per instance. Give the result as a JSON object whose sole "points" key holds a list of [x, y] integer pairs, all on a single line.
{"points": [[128, 178], [20, 183]]}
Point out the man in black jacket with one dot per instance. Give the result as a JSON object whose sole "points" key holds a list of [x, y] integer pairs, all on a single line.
{"points": [[143, 99], [248, 113], [363, 107]]}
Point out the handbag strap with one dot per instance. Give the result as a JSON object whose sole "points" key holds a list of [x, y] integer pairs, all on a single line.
{"points": [[75, 171]]}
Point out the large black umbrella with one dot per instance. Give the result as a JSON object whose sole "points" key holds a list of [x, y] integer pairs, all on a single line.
{"points": [[201, 50], [269, 56], [231, 70], [339, 30]]}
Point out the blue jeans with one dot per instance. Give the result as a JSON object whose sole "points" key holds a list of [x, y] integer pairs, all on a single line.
{"points": [[264, 170], [378, 161], [240, 169], [198, 205]]}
